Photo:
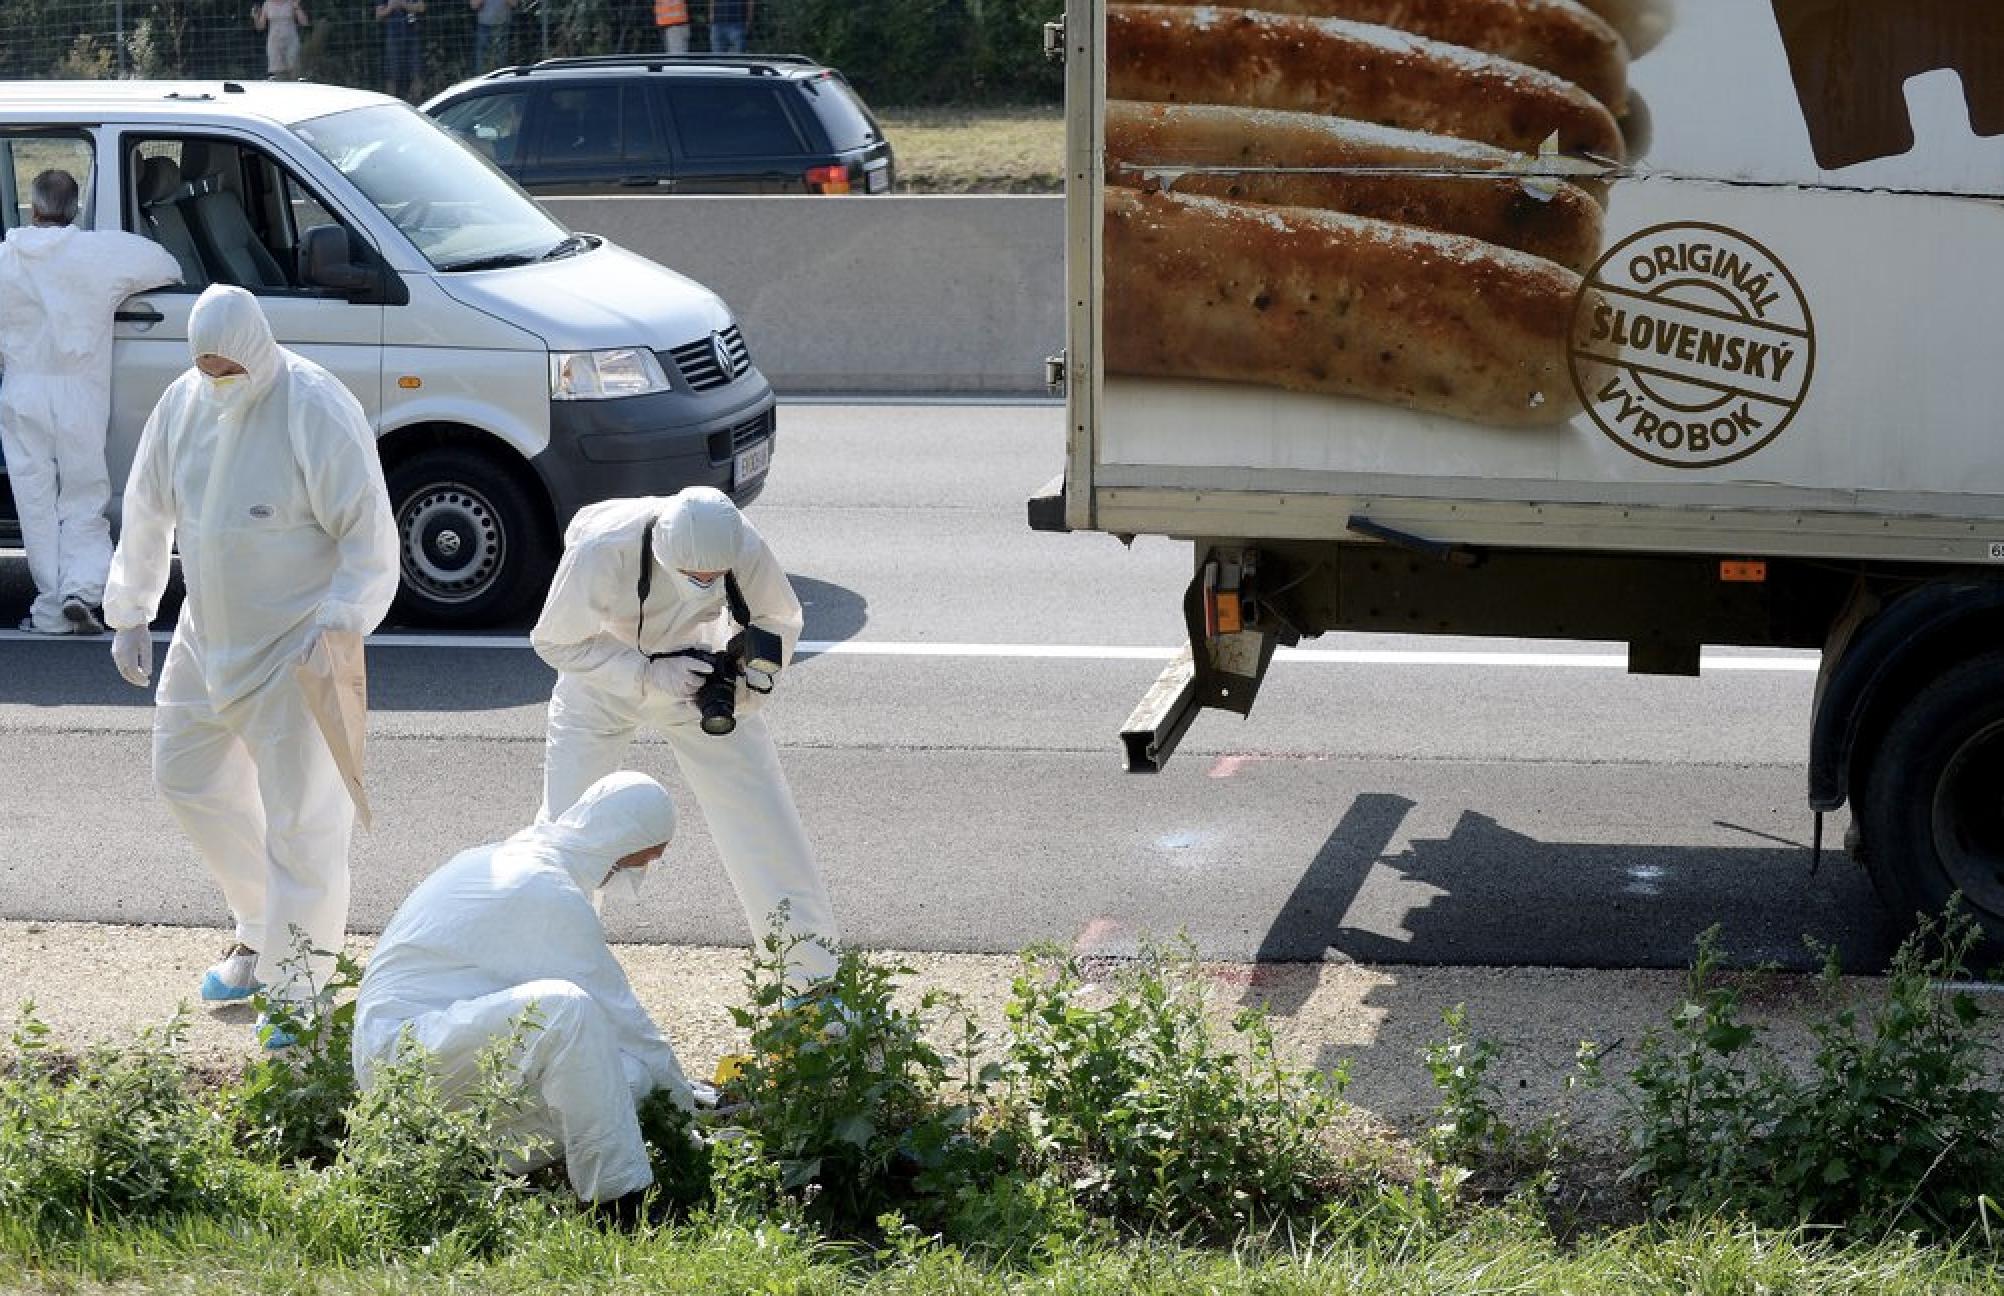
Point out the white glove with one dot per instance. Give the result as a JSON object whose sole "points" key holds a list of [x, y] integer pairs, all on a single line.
{"points": [[132, 653], [329, 635], [678, 677]]}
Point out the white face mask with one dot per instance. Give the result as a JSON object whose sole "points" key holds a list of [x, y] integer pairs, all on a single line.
{"points": [[227, 389], [700, 584], [624, 883]]}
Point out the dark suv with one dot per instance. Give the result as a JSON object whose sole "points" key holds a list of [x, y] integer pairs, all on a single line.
{"points": [[672, 123]]}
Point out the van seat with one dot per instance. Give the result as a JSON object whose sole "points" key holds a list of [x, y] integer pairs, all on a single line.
{"points": [[159, 192], [221, 227]]}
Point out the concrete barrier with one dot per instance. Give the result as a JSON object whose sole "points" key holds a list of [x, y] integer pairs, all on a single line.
{"points": [[895, 294]]}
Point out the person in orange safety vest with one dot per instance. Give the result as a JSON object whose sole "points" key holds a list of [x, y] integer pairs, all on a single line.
{"points": [[672, 17]]}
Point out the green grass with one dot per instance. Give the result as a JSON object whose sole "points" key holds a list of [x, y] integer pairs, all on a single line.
{"points": [[997, 150], [1498, 1252], [1118, 1115]]}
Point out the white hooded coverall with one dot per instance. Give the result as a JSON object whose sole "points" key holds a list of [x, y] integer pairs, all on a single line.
{"points": [[273, 490], [590, 632], [59, 286], [507, 926]]}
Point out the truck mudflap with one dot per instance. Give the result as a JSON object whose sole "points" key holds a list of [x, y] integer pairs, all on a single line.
{"points": [[1047, 506], [1222, 668]]}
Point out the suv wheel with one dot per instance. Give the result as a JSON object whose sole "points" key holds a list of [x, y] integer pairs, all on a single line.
{"points": [[473, 547]]}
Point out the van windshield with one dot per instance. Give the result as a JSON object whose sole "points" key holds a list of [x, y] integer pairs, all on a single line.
{"points": [[459, 211]]}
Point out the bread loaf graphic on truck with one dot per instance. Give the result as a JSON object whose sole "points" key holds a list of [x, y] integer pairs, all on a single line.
{"points": [[1333, 232]]}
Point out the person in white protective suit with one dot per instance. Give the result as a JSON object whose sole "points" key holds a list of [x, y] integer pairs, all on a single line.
{"points": [[641, 580], [263, 468], [59, 286], [508, 927]]}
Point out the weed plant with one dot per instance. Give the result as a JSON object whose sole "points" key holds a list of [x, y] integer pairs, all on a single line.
{"points": [[422, 1167], [1150, 1116], [859, 1110], [118, 1135], [1469, 1129], [679, 1154], [1893, 1127], [293, 1104]]}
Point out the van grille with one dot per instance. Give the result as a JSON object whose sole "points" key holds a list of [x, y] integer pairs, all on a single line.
{"points": [[728, 441], [698, 361]]}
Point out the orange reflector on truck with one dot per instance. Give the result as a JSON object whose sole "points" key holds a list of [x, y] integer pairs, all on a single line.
{"points": [[828, 179], [1751, 572], [1222, 615], [1229, 619], [410, 382]]}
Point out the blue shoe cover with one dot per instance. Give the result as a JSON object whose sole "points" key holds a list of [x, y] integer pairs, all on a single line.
{"points": [[217, 990], [274, 1036]]}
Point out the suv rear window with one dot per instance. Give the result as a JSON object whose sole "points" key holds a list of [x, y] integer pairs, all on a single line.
{"points": [[847, 124], [721, 119]]}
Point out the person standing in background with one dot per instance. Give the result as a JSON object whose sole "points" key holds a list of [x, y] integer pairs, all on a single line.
{"points": [[403, 45], [729, 20], [490, 32], [672, 17], [59, 286], [280, 21]]}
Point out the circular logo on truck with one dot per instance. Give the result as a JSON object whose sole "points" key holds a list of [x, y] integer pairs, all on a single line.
{"points": [[1692, 345]]}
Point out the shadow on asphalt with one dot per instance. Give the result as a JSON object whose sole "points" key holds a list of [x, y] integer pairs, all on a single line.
{"points": [[484, 679], [445, 678], [1498, 897], [834, 612]]}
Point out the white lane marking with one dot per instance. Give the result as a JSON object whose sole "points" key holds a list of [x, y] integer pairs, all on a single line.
{"points": [[1097, 652], [994, 400]]}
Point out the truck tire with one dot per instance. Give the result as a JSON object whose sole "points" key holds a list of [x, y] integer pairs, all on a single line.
{"points": [[1931, 815], [473, 544]]}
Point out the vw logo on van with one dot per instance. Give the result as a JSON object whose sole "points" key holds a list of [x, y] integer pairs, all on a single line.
{"points": [[722, 354]]}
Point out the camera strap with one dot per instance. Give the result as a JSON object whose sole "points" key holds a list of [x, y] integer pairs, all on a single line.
{"points": [[734, 598]]}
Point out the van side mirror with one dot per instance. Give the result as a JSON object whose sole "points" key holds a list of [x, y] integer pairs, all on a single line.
{"points": [[327, 260]]}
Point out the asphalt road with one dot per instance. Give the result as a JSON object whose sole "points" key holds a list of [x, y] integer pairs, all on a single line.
{"points": [[964, 794]]}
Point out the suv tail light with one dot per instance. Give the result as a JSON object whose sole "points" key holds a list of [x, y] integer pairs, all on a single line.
{"points": [[828, 179]]}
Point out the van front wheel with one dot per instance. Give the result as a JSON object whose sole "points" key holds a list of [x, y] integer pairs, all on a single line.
{"points": [[471, 542]]}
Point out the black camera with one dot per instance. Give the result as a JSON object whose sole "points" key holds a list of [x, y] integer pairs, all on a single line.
{"points": [[752, 653], [717, 697]]}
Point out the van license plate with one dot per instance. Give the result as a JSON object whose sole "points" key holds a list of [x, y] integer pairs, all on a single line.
{"points": [[751, 463], [878, 179]]}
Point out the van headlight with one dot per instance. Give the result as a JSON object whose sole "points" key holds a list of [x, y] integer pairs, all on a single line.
{"points": [[605, 375]]}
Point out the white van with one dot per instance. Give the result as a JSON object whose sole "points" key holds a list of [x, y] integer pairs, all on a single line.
{"points": [[515, 370]]}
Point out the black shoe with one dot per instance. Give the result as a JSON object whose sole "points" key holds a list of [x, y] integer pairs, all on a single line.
{"points": [[85, 618], [624, 1213]]}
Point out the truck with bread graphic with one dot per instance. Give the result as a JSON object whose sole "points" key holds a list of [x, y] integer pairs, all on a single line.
{"points": [[1667, 322]]}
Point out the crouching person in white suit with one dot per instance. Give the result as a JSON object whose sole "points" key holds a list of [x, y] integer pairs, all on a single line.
{"points": [[641, 582], [513, 926]]}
